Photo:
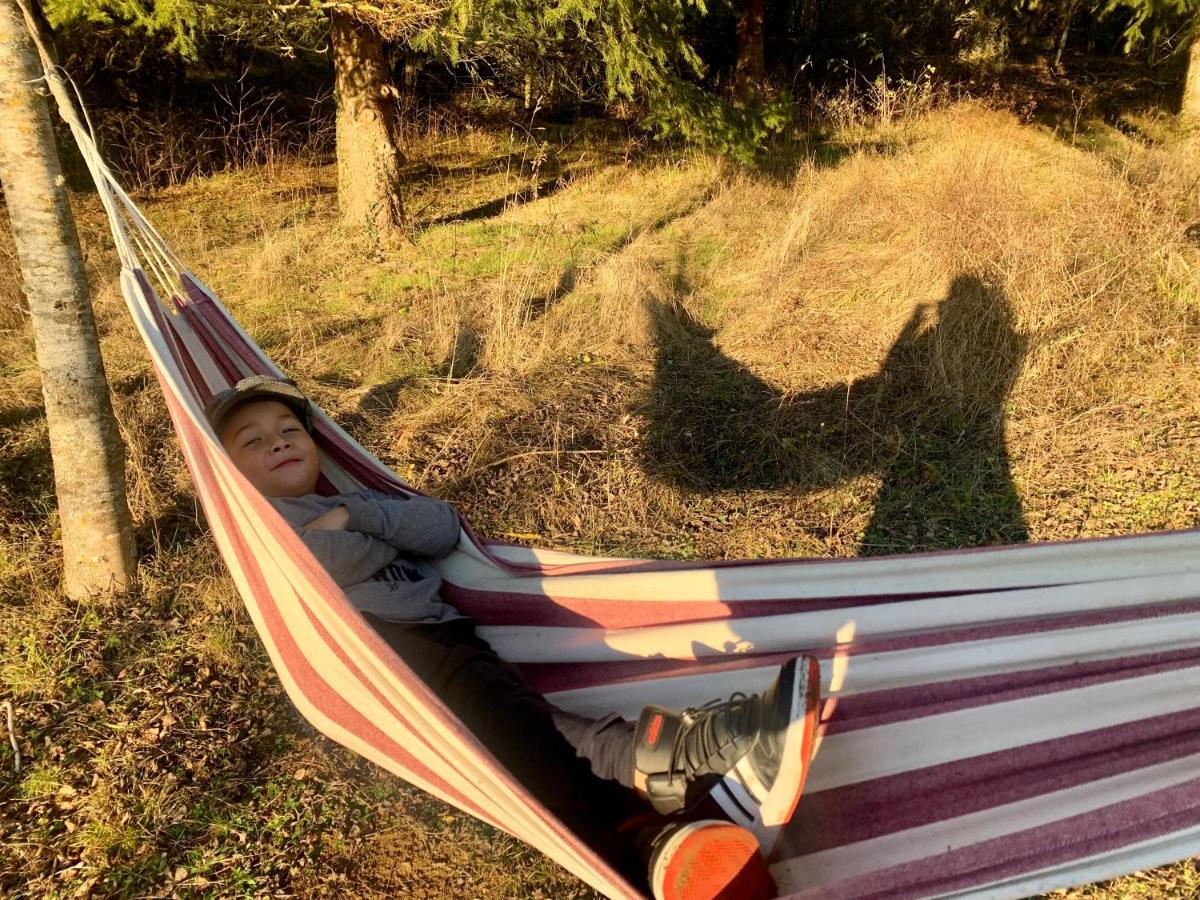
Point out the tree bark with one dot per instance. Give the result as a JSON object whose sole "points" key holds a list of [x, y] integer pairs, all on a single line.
{"points": [[1068, 15], [1033, 24], [88, 456], [1189, 109], [751, 63], [368, 159]]}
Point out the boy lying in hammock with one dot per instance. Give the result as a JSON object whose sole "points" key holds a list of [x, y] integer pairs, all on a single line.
{"points": [[639, 793]]}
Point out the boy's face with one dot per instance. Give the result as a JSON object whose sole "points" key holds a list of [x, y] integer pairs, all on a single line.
{"points": [[270, 447]]}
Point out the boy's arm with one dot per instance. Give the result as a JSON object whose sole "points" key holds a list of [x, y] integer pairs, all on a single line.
{"points": [[332, 519], [348, 556], [416, 526]]}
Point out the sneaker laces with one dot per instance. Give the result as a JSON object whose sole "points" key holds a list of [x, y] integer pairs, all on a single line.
{"points": [[699, 725]]}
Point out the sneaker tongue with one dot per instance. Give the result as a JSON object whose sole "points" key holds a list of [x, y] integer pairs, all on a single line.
{"points": [[720, 736]]}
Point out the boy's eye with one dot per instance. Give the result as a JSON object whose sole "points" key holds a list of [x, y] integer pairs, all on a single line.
{"points": [[252, 442]]}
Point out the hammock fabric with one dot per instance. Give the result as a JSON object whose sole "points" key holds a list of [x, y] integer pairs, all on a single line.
{"points": [[997, 722]]}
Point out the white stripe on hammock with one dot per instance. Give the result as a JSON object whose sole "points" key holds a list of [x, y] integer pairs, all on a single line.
{"points": [[904, 668], [850, 860], [763, 634], [891, 749]]}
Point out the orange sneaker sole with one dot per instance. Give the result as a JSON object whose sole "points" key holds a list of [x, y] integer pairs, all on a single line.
{"points": [[712, 860]]}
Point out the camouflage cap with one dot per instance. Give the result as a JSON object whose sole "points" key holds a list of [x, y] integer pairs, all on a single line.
{"points": [[257, 387]]}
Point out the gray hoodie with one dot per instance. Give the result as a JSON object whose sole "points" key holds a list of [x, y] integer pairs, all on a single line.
{"points": [[378, 560]]}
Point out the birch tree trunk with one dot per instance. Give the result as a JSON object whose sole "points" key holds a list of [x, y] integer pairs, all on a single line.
{"points": [[1189, 110], [88, 456], [368, 159]]}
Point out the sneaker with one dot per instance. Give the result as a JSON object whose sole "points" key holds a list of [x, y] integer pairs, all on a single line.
{"points": [[762, 744], [761, 791], [708, 860]]}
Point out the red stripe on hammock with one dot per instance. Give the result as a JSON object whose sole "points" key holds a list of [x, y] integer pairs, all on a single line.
{"points": [[202, 307], [360, 469], [877, 708], [546, 610], [1075, 838], [552, 677], [871, 809], [212, 346], [175, 346]]}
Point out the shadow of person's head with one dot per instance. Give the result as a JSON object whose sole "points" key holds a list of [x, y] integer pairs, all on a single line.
{"points": [[976, 350], [953, 363], [941, 397]]}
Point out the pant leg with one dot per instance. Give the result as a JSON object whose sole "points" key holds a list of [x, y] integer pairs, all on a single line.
{"points": [[607, 744], [518, 726]]}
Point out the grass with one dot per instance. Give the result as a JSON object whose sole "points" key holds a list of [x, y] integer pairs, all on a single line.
{"points": [[942, 326]]}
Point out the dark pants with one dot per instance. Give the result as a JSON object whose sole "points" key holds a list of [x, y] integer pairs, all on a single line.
{"points": [[537, 742]]}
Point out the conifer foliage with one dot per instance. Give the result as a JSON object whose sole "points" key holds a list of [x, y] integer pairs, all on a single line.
{"points": [[714, 72]]}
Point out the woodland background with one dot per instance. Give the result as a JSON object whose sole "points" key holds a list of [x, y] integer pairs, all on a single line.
{"points": [[603, 274]]}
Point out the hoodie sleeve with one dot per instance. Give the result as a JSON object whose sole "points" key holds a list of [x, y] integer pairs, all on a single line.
{"points": [[348, 556], [416, 526]]}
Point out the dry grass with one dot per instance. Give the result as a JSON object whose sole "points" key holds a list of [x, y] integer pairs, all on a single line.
{"points": [[951, 330]]}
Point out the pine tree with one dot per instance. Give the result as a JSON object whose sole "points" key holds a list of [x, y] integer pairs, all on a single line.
{"points": [[751, 64], [1157, 21], [369, 159]]}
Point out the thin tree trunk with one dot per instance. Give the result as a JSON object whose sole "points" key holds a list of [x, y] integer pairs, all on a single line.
{"points": [[412, 69], [1062, 41], [1033, 28], [368, 158], [1189, 110], [751, 63], [88, 456]]}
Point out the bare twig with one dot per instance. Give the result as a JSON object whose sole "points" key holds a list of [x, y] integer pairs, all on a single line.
{"points": [[517, 456], [12, 735]]}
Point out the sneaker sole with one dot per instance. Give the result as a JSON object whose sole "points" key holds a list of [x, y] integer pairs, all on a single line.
{"points": [[770, 809], [711, 860]]}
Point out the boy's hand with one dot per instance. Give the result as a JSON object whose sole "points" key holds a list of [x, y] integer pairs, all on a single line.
{"points": [[331, 520]]}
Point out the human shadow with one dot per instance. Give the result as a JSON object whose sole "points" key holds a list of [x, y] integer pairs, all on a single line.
{"points": [[929, 423]]}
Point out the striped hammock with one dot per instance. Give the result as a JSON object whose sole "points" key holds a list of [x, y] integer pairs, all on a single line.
{"points": [[997, 722]]}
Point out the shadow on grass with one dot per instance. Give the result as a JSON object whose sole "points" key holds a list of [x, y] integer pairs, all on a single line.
{"points": [[930, 423], [173, 529], [497, 205], [382, 399], [1088, 90], [783, 160], [19, 416], [26, 471]]}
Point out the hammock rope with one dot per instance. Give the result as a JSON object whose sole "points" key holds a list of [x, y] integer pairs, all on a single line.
{"points": [[998, 722]]}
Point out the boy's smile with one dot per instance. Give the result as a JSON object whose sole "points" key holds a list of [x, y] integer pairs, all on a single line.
{"points": [[269, 445]]}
